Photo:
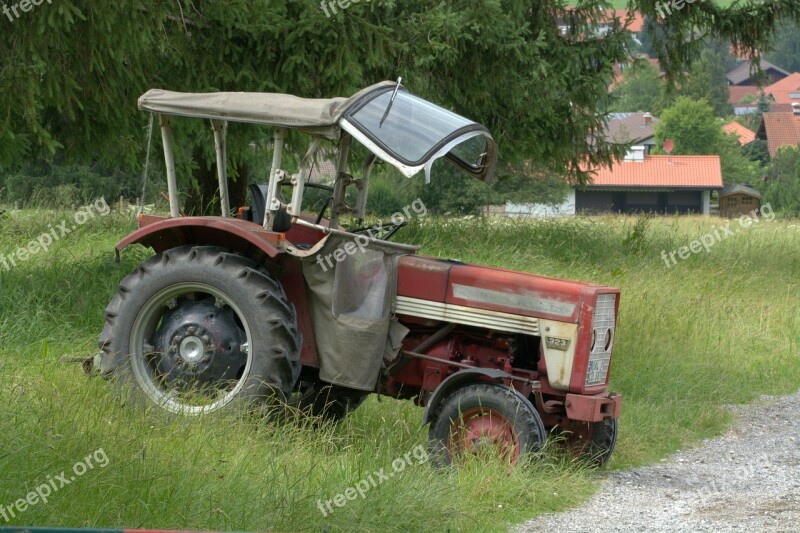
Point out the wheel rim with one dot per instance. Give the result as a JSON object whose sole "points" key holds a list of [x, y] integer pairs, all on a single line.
{"points": [[482, 428], [191, 349]]}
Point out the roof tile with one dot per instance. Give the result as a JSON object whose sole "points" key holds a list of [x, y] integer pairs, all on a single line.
{"points": [[744, 135], [787, 90], [737, 92], [630, 127], [663, 172], [741, 72], [780, 129]]}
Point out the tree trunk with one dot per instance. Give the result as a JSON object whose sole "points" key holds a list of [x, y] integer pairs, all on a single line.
{"points": [[203, 197]]}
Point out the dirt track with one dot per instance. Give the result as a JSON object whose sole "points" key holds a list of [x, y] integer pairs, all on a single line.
{"points": [[745, 480]]}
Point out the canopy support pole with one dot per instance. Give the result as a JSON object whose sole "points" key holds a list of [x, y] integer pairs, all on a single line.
{"points": [[220, 133], [169, 159], [340, 186], [295, 208], [363, 188], [270, 209]]}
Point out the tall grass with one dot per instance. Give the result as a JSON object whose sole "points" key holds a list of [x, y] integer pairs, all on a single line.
{"points": [[714, 329]]}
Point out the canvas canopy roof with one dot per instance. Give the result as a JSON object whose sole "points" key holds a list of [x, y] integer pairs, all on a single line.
{"points": [[406, 131], [317, 116]]}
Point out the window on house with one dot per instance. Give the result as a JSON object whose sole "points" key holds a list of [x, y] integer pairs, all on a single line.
{"points": [[794, 96], [732, 202], [747, 200]]}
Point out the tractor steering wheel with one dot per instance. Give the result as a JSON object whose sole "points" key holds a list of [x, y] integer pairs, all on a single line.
{"points": [[379, 231], [328, 200]]}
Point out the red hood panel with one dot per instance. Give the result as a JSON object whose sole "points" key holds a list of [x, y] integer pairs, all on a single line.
{"points": [[492, 288]]}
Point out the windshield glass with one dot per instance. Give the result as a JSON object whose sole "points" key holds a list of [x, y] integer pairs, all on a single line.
{"points": [[412, 128]]}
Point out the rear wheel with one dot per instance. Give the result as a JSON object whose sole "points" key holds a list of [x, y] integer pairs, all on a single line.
{"points": [[485, 417], [193, 329]]}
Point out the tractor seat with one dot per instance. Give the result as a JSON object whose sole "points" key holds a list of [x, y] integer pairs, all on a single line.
{"points": [[258, 192]]}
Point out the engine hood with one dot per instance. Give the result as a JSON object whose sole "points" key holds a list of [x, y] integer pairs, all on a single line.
{"points": [[494, 289]]}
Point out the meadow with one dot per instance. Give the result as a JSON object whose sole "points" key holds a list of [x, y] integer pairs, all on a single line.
{"points": [[715, 329]]}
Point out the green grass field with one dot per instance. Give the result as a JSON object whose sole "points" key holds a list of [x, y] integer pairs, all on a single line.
{"points": [[718, 328]]}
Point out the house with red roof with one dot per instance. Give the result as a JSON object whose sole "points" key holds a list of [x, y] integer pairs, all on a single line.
{"points": [[785, 91], [743, 134], [638, 184], [633, 21], [744, 87], [637, 129], [652, 184], [780, 128], [743, 94]]}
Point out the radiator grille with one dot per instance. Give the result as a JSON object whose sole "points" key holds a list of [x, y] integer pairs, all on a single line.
{"points": [[603, 324]]}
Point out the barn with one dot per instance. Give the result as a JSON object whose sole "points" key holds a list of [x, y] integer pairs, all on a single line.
{"points": [[652, 184]]}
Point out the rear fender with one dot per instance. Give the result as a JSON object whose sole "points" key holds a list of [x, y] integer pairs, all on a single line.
{"points": [[161, 233], [247, 238]]}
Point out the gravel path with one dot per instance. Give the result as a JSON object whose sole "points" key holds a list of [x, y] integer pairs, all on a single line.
{"points": [[746, 480]]}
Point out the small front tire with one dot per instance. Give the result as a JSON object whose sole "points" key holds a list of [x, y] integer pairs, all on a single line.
{"points": [[593, 442], [485, 417]]}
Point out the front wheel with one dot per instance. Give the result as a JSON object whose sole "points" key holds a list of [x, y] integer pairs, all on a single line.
{"points": [[594, 441], [485, 417], [194, 328]]}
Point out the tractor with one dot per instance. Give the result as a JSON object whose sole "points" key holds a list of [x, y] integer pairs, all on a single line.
{"points": [[268, 304]]}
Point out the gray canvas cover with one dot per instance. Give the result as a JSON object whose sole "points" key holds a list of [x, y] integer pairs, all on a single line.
{"points": [[351, 302], [317, 116]]}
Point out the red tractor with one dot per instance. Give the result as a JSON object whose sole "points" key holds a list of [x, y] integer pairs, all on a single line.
{"points": [[278, 304]]}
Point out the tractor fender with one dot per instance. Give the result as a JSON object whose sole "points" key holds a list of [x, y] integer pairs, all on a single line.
{"points": [[459, 379], [239, 235]]}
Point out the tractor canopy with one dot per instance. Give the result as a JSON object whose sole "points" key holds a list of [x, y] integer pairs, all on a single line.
{"points": [[404, 130]]}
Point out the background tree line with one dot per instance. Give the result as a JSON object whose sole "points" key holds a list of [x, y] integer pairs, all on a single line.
{"points": [[71, 73]]}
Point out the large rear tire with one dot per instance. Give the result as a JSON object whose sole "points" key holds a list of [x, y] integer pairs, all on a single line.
{"points": [[196, 328], [485, 417]]}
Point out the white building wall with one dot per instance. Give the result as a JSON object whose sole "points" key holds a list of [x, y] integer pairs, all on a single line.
{"points": [[564, 209], [706, 202]]}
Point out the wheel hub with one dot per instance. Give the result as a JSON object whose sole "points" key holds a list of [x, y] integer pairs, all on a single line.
{"points": [[481, 429], [192, 349], [200, 344]]}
